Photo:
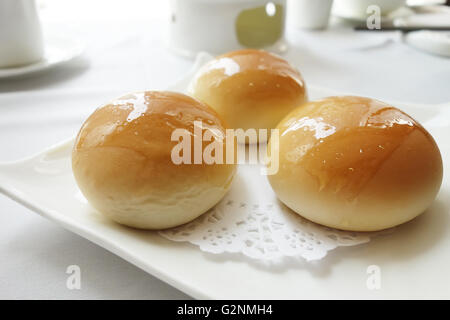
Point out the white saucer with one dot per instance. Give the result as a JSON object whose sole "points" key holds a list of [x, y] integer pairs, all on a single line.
{"points": [[58, 50], [385, 19]]}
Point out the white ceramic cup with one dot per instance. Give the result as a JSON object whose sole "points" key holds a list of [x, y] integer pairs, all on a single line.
{"points": [[309, 14], [21, 40], [218, 26]]}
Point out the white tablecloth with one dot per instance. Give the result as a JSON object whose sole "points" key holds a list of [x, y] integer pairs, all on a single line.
{"points": [[126, 51]]}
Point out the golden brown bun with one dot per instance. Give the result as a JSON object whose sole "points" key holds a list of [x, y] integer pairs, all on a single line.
{"points": [[356, 164], [122, 161], [250, 88]]}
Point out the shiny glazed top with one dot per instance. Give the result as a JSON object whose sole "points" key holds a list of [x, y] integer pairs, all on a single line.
{"points": [[250, 88], [343, 141], [144, 122]]}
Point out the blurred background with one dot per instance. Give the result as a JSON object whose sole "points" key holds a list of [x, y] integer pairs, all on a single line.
{"points": [[94, 50]]}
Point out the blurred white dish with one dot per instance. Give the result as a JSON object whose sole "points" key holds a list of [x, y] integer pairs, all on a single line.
{"points": [[424, 20], [425, 2], [357, 9], [57, 50], [435, 42], [417, 250]]}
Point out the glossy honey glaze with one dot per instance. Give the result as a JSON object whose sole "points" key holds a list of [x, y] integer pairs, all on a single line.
{"points": [[245, 65], [144, 122], [344, 141], [250, 88]]}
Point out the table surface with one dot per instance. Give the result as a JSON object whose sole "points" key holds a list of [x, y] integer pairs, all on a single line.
{"points": [[128, 52]]}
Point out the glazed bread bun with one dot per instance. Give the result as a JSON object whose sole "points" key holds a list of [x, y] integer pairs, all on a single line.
{"points": [[355, 164], [249, 88], [122, 161]]}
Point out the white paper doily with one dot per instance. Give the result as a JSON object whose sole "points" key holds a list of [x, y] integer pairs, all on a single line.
{"points": [[250, 220]]}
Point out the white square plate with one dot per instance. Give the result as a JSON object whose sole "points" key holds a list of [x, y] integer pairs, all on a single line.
{"points": [[414, 260]]}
